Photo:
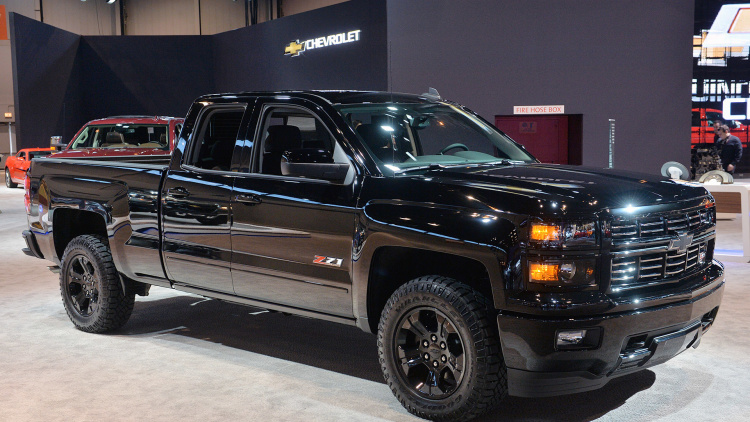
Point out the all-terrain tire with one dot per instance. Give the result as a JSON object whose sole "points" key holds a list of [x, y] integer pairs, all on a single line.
{"points": [[425, 377], [90, 286], [8, 181]]}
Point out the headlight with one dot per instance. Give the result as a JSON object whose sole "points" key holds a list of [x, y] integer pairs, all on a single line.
{"points": [[562, 273], [564, 235]]}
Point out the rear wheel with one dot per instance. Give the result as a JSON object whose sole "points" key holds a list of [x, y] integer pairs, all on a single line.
{"points": [[90, 286], [8, 182], [439, 350]]}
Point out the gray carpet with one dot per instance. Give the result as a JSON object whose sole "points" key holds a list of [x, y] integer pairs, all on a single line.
{"points": [[181, 357]]}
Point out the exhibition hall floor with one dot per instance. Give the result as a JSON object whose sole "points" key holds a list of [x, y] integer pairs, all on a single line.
{"points": [[182, 357]]}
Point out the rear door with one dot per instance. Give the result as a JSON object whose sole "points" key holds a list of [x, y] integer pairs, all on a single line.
{"points": [[196, 201], [292, 236], [18, 168]]}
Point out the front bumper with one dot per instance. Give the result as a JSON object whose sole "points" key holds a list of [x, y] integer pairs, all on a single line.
{"points": [[629, 341]]}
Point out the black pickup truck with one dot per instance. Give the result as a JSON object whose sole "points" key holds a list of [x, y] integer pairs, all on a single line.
{"points": [[483, 272]]}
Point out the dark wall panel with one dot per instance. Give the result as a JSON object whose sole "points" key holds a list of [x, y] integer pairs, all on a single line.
{"points": [[628, 60], [253, 58], [150, 75], [63, 80], [46, 82]]}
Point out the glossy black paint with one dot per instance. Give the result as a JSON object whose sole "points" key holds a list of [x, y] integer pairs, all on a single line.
{"points": [[264, 239]]}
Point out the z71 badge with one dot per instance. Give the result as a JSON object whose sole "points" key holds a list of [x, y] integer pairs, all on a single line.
{"points": [[326, 260]]}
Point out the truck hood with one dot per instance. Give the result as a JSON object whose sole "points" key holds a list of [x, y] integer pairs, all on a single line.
{"points": [[559, 190]]}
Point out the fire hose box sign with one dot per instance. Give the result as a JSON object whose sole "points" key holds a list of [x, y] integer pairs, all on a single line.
{"points": [[539, 109]]}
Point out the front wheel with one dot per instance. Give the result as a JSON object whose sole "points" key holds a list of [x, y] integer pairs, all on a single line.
{"points": [[8, 181], [90, 286], [439, 350]]}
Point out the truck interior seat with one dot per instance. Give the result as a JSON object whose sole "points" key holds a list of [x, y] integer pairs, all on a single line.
{"points": [[221, 152], [280, 139], [114, 140]]}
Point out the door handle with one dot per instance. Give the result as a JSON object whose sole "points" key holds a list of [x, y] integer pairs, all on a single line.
{"points": [[178, 193], [248, 199]]}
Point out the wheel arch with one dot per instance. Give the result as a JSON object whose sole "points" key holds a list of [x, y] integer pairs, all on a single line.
{"points": [[394, 266], [70, 223]]}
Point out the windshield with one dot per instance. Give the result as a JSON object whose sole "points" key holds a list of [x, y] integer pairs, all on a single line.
{"points": [[409, 136], [122, 135]]}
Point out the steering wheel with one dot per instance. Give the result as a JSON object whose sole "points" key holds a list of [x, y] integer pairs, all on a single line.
{"points": [[451, 146]]}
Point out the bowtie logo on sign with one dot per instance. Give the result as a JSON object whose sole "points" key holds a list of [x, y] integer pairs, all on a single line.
{"points": [[295, 48]]}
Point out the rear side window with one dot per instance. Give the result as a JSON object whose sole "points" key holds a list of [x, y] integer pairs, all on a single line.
{"points": [[214, 142]]}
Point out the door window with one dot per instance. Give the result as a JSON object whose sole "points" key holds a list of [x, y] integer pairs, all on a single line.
{"points": [[214, 145], [291, 129]]}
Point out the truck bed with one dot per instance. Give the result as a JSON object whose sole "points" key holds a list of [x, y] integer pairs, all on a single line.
{"points": [[120, 199]]}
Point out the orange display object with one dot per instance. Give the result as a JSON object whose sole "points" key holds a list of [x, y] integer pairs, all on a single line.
{"points": [[3, 23]]}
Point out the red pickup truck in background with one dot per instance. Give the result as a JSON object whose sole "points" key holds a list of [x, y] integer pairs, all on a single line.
{"points": [[703, 126], [704, 154], [124, 136]]}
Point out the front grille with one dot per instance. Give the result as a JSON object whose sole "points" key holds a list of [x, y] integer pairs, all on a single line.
{"points": [[633, 271], [658, 248], [653, 226]]}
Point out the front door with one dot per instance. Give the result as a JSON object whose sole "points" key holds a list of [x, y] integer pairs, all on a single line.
{"points": [[196, 204], [292, 236]]}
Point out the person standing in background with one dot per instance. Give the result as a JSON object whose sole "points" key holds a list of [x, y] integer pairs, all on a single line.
{"points": [[731, 149]]}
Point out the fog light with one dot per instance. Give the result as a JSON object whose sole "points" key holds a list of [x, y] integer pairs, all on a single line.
{"points": [[570, 338], [580, 339]]}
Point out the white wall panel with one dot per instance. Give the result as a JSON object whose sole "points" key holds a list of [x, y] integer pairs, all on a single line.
{"points": [[292, 7], [221, 16], [93, 17], [161, 17]]}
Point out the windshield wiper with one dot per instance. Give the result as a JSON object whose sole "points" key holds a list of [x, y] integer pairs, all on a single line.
{"points": [[432, 166]]}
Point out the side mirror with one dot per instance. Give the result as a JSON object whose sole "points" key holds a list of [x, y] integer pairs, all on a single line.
{"points": [[312, 163], [54, 143]]}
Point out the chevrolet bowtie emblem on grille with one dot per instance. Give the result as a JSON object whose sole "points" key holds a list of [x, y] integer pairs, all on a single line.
{"points": [[294, 48], [681, 243]]}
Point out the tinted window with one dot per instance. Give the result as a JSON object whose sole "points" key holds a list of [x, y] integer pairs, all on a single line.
{"points": [[35, 154], [289, 129], [696, 118], [712, 116], [214, 143]]}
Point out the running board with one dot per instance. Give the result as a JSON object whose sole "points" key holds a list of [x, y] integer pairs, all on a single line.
{"points": [[264, 305]]}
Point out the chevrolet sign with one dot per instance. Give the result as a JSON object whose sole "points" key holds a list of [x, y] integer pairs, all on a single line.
{"points": [[296, 47]]}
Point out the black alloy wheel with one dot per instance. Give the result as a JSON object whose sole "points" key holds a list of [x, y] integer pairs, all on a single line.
{"points": [[90, 286], [440, 350], [431, 353], [82, 285]]}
